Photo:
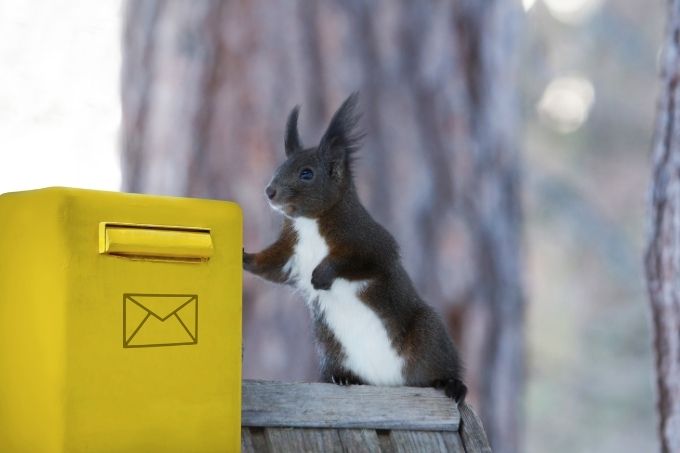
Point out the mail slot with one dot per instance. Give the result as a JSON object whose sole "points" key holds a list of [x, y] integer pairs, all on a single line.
{"points": [[155, 242], [120, 323]]}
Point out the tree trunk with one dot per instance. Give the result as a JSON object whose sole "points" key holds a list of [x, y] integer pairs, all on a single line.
{"points": [[663, 247], [206, 90]]}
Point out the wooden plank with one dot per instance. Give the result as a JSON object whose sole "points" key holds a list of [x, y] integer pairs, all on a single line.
{"points": [[453, 442], [359, 441], [418, 441], [385, 441], [305, 440], [471, 432], [247, 442], [315, 405], [252, 440]]}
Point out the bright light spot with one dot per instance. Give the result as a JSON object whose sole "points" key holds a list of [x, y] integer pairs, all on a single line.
{"points": [[572, 11], [59, 101], [527, 4], [566, 102]]}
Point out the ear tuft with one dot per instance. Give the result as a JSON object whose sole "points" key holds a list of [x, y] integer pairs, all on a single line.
{"points": [[292, 139], [343, 136]]}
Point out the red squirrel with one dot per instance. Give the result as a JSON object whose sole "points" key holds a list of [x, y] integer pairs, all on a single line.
{"points": [[370, 324]]}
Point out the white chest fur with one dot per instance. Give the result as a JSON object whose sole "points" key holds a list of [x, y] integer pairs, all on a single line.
{"points": [[367, 347]]}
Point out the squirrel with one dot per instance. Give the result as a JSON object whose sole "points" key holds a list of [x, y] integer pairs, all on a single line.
{"points": [[370, 324]]}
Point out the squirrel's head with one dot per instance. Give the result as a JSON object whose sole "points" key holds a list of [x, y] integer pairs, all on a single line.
{"points": [[312, 180]]}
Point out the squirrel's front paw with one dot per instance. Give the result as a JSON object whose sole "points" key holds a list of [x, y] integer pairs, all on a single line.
{"points": [[345, 379], [322, 277]]}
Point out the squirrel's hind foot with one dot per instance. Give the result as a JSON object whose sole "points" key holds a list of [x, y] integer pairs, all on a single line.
{"points": [[453, 388]]}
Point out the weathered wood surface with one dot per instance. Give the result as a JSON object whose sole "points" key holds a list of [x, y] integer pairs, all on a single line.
{"points": [[426, 441], [359, 441], [303, 440], [471, 431], [301, 417], [311, 440], [316, 405], [247, 445]]}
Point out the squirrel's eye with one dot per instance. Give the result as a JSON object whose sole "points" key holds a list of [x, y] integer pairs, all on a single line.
{"points": [[306, 174]]}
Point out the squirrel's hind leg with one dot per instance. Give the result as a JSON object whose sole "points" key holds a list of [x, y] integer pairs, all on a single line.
{"points": [[453, 388]]}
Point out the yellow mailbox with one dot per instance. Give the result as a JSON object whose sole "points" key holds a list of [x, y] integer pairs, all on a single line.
{"points": [[120, 323]]}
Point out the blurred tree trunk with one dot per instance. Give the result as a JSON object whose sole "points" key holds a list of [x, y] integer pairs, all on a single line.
{"points": [[663, 247], [206, 90]]}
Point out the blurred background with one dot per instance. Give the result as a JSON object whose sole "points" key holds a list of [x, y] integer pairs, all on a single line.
{"points": [[507, 150]]}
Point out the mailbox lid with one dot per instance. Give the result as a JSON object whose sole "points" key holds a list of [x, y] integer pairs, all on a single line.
{"points": [[155, 242]]}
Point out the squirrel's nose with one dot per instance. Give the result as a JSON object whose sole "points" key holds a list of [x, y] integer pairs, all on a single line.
{"points": [[271, 192]]}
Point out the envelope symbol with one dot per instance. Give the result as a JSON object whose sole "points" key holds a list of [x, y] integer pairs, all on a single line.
{"points": [[159, 320]]}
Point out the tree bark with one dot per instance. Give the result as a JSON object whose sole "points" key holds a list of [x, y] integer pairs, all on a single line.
{"points": [[663, 246], [206, 90]]}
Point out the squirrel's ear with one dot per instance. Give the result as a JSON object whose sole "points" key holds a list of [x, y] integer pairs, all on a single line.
{"points": [[342, 138], [292, 140]]}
